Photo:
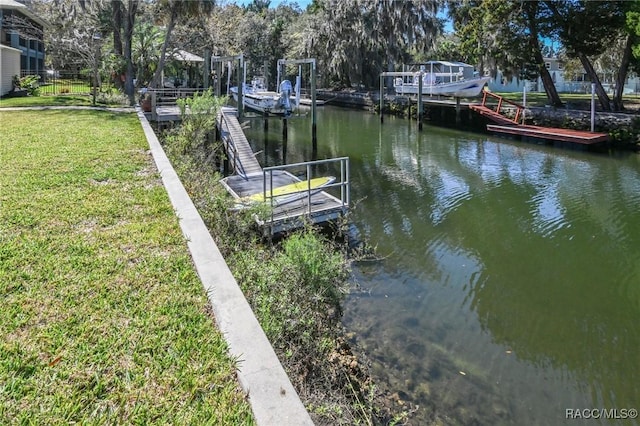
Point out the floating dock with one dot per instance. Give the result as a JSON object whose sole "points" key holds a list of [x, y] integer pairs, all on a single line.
{"points": [[551, 133], [513, 127], [309, 205]]}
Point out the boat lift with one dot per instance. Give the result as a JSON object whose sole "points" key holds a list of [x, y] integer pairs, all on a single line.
{"points": [[420, 101], [300, 62], [217, 61], [402, 74]]}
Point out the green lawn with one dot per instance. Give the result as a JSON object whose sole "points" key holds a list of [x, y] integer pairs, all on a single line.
{"points": [[57, 100], [574, 100], [103, 318]]}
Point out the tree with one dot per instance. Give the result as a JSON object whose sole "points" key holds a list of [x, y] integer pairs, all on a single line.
{"points": [[588, 28], [129, 13], [403, 25], [145, 50], [446, 47], [531, 10], [173, 10], [630, 52], [354, 40], [258, 6], [118, 58], [73, 29], [504, 35], [19, 24]]}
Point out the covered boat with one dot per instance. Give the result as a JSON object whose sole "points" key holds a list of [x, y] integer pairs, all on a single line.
{"points": [[442, 78]]}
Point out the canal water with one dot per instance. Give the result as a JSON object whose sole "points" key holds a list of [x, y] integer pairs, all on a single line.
{"points": [[506, 287]]}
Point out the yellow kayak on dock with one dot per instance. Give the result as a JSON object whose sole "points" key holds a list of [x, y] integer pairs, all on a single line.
{"points": [[297, 189]]}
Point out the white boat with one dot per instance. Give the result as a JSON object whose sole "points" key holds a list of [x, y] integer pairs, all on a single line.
{"points": [[258, 98], [442, 78]]}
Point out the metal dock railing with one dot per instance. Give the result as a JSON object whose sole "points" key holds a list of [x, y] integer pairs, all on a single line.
{"points": [[304, 205]]}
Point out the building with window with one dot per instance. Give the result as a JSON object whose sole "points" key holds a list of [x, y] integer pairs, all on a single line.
{"points": [[21, 41], [565, 82]]}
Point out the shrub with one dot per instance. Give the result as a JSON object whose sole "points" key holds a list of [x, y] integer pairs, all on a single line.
{"points": [[30, 83], [112, 98]]}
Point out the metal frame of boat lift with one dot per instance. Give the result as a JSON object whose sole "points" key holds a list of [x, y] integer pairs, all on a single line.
{"points": [[300, 62], [403, 74], [218, 61], [312, 63]]}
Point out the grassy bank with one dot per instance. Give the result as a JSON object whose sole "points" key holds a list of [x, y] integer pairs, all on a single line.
{"points": [[104, 320], [103, 99], [570, 100]]}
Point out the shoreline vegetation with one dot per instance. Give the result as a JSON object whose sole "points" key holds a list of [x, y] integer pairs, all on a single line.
{"points": [[295, 284], [104, 319]]}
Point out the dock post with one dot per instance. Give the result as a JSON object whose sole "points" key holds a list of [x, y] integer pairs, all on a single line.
{"points": [[265, 124], [381, 98], [314, 137], [284, 151], [420, 101], [241, 69], [154, 100], [314, 127], [457, 110], [207, 68], [524, 103], [218, 77], [284, 129], [593, 106], [225, 160]]}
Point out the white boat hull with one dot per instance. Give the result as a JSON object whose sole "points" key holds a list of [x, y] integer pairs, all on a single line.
{"points": [[462, 89], [263, 102]]}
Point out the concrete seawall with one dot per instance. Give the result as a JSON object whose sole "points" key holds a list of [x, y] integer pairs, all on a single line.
{"points": [[273, 399]]}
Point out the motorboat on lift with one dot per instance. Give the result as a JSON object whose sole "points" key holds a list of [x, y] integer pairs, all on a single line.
{"points": [[442, 78], [258, 98]]}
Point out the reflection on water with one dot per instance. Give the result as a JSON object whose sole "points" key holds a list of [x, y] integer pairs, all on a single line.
{"points": [[510, 286]]}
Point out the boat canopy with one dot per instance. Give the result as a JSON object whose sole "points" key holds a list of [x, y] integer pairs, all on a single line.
{"points": [[451, 69], [448, 64]]}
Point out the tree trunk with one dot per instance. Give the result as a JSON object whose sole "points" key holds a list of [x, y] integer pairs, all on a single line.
{"points": [[157, 77], [605, 102], [547, 82], [622, 74], [534, 43], [116, 19], [128, 35], [116, 22]]}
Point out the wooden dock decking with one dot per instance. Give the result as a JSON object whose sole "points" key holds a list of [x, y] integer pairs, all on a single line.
{"points": [[551, 133], [513, 127]]}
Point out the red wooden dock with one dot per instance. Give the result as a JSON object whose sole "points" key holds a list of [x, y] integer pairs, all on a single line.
{"points": [[512, 126], [550, 133]]}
